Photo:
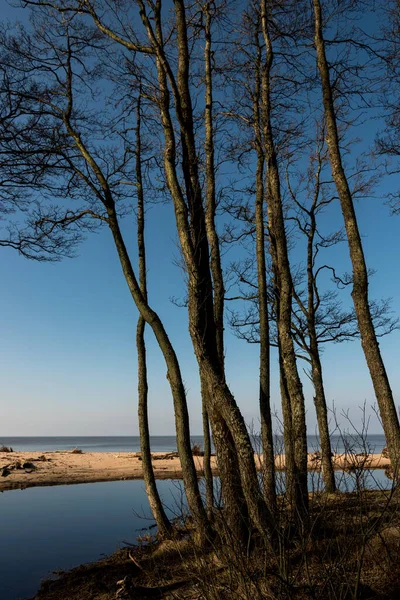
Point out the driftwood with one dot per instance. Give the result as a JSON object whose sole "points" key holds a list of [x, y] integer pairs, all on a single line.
{"points": [[28, 466], [167, 456]]}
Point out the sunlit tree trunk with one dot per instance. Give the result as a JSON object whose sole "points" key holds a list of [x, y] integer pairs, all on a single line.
{"points": [[369, 340], [163, 524], [264, 397], [328, 473], [190, 220], [232, 492], [283, 284]]}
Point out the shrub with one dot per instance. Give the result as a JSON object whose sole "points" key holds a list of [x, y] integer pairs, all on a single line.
{"points": [[196, 450], [6, 449]]}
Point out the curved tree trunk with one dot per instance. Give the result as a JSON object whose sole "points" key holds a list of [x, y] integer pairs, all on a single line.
{"points": [[190, 221], [163, 524], [369, 340], [175, 380], [150, 316]]}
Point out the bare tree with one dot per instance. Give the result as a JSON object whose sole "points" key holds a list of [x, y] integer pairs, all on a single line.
{"points": [[227, 458], [163, 524], [369, 340], [293, 407], [265, 386], [65, 148]]}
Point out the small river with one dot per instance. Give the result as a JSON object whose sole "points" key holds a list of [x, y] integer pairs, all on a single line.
{"points": [[43, 529], [47, 528]]}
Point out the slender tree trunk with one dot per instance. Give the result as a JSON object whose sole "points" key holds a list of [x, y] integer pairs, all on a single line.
{"points": [[150, 316], [163, 524], [232, 493], [264, 397], [369, 340], [265, 402], [190, 220], [288, 440], [175, 380], [283, 284], [328, 473], [208, 476]]}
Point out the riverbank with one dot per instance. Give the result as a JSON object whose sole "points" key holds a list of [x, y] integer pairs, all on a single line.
{"points": [[340, 556], [28, 469]]}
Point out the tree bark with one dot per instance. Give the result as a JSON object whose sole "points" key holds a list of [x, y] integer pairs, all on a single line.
{"points": [[163, 524], [283, 284], [232, 493], [190, 220], [264, 392], [328, 473], [208, 476], [369, 340], [288, 441]]}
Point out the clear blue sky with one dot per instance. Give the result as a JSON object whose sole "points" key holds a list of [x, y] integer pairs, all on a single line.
{"points": [[67, 331]]}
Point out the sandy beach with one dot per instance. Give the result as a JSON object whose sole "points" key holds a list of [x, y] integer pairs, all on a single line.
{"points": [[19, 470]]}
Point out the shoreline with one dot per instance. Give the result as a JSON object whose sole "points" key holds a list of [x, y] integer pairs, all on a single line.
{"points": [[21, 470]]}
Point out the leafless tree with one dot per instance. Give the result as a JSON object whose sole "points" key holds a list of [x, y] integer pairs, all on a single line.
{"points": [[369, 340], [163, 524], [69, 148]]}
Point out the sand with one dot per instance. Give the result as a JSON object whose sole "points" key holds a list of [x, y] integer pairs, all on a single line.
{"points": [[58, 468]]}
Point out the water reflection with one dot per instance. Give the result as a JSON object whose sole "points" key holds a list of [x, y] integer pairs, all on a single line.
{"points": [[48, 528]]}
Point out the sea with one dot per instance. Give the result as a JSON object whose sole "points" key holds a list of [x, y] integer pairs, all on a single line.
{"points": [[371, 443]]}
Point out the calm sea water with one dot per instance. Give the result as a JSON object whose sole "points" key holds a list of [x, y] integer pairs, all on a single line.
{"points": [[165, 443]]}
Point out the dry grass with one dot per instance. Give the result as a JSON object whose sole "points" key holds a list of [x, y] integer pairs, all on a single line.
{"points": [[196, 450], [350, 550]]}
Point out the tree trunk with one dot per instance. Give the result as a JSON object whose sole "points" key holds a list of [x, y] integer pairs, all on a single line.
{"points": [[191, 227], [288, 440], [264, 393], [235, 512], [283, 285], [208, 477], [175, 380], [163, 524], [328, 473], [234, 503], [369, 340], [265, 403]]}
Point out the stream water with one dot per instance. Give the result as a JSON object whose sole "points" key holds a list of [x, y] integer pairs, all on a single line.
{"points": [[44, 529]]}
